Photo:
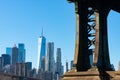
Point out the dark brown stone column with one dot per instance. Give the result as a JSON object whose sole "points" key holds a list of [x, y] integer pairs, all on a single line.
{"points": [[81, 59]]}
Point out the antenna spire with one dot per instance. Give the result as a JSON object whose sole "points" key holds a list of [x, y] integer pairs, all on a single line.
{"points": [[42, 32]]}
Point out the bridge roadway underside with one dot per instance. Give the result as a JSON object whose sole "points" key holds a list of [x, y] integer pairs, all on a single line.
{"points": [[114, 5]]}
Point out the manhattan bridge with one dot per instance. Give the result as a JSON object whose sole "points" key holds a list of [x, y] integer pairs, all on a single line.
{"points": [[92, 39], [91, 30]]}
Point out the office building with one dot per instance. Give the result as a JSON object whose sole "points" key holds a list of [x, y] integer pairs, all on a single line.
{"points": [[50, 62], [14, 55], [28, 68], [0, 63], [62, 69], [29, 65], [20, 69], [58, 61], [21, 53], [67, 66], [41, 51], [71, 64], [23, 69], [9, 52], [5, 60], [47, 75], [33, 73]]}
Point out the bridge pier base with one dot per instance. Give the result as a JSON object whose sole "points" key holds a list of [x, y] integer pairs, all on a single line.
{"points": [[92, 75]]}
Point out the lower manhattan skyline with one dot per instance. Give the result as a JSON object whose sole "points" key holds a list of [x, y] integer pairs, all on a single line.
{"points": [[22, 21]]}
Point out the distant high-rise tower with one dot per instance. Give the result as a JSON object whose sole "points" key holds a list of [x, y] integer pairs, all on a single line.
{"points": [[67, 66], [28, 68], [50, 57], [14, 55], [29, 65], [9, 52], [58, 61], [62, 69], [5, 60], [21, 53], [71, 64], [0, 63], [41, 51]]}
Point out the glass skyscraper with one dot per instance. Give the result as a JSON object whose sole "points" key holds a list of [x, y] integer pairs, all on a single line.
{"points": [[41, 51], [9, 52], [21, 52], [5, 60], [50, 62], [71, 64], [58, 61], [14, 55], [28, 68]]}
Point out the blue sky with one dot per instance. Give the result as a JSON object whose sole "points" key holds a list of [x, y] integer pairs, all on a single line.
{"points": [[21, 21]]}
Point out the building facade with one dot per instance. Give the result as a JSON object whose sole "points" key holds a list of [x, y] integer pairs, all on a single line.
{"points": [[71, 64], [29, 65], [28, 68], [14, 55], [0, 63], [58, 61], [43, 64], [5, 60], [50, 57], [21, 52], [67, 69], [9, 52], [20, 69], [41, 51], [47, 75]]}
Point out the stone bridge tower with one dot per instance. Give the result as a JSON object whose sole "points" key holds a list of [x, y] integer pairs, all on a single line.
{"points": [[92, 37]]}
